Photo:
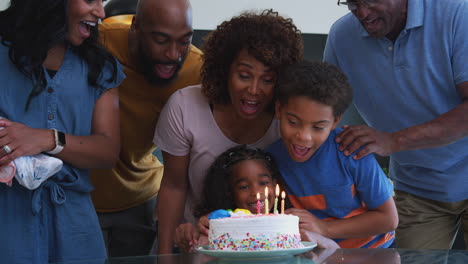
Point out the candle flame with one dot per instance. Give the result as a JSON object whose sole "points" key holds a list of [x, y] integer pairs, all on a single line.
{"points": [[266, 192], [277, 190], [258, 196], [283, 194]]}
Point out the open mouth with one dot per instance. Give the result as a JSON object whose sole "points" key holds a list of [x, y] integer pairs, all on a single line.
{"points": [[89, 23], [165, 71], [253, 206], [300, 152], [371, 24], [250, 107], [85, 28]]}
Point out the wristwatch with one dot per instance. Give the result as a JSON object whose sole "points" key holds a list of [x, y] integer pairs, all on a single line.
{"points": [[60, 142]]}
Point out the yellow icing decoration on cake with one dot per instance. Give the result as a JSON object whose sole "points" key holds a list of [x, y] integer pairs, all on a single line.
{"points": [[245, 211]]}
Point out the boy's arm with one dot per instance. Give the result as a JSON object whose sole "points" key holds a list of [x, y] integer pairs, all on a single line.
{"points": [[375, 190], [376, 221], [380, 220], [322, 241]]}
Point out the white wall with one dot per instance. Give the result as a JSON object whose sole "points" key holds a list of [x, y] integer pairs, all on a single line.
{"points": [[310, 16], [4, 4]]}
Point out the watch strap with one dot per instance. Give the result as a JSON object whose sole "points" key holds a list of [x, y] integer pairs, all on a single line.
{"points": [[58, 145]]}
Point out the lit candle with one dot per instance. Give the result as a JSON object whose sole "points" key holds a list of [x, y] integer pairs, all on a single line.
{"points": [[275, 208], [267, 208], [258, 203], [283, 195]]}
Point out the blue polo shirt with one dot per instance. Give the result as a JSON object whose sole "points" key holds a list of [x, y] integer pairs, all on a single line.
{"points": [[409, 82]]}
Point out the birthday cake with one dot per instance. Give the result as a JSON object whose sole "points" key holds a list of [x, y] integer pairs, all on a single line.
{"points": [[255, 232]]}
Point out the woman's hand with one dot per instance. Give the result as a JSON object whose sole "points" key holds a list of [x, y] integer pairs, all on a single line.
{"points": [[100, 149], [308, 221], [23, 140], [186, 237], [203, 225], [171, 199]]}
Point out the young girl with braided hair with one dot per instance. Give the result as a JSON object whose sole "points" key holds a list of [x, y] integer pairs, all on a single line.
{"points": [[232, 182]]}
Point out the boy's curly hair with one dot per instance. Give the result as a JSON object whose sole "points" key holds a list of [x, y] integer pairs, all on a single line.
{"points": [[319, 81], [217, 188], [270, 38]]}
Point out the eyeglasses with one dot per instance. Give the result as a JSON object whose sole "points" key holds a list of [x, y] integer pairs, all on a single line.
{"points": [[354, 5]]}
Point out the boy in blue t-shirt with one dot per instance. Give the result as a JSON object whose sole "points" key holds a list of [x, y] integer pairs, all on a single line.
{"points": [[334, 195]]}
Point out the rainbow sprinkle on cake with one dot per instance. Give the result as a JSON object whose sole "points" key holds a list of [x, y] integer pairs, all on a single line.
{"points": [[254, 232]]}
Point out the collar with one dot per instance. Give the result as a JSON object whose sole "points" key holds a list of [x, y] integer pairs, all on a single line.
{"points": [[415, 14], [414, 19]]}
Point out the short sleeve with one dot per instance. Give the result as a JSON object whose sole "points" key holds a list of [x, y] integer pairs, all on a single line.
{"points": [[106, 75], [169, 134], [372, 185], [329, 52], [460, 46]]}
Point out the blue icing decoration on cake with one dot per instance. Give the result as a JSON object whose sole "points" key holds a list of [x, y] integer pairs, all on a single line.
{"points": [[219, 214]]}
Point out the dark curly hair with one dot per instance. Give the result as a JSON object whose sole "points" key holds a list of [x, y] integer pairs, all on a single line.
{"points": [[270, 38], [217, 188], [31, 27], [319, 81]]}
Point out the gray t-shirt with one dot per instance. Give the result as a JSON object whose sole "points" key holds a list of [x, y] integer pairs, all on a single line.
{"points": [[186, 126]]}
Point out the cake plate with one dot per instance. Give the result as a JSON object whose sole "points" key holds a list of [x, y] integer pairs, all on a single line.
{"points": [[257, 254]]}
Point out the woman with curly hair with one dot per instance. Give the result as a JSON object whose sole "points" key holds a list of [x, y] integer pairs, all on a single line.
{"points": [[232, 106], [57, 96]]}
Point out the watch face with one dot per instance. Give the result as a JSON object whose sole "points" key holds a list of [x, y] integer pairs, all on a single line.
{"points": [[61, 138]]}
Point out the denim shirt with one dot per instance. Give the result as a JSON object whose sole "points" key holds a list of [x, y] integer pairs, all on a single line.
{"points": [[66, 104]]}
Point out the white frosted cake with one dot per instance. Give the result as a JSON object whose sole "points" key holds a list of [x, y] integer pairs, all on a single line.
{"points": [[255, 232]]}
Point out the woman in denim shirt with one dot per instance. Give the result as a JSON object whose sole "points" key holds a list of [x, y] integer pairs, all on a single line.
{"points": [[56, 95]]}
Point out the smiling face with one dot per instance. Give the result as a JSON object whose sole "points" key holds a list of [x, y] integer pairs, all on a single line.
{"points": [[250, 85], [250, 177], [385, 18], [82, 15], [163, 33], [304, 124]]}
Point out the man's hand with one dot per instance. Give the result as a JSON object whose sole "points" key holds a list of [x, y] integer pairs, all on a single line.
{"points": [[371, 141]]}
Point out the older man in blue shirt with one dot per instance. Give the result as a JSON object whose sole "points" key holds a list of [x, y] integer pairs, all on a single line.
{"points": [[407, 61]]}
